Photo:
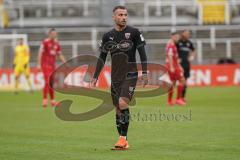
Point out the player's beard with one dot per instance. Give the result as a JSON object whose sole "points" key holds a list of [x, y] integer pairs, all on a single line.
{"points": [[122, 24]]}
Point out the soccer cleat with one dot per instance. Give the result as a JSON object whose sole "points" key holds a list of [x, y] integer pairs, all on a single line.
{"points": [[117, 148], [44, 103], [170, 103], [121, 144], [127, 146], [180, 102], [54, 103]]}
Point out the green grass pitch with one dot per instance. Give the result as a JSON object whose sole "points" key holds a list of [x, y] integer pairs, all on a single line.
{"points": [[210, 130]]}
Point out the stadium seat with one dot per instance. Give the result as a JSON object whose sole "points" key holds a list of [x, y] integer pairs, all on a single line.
{"points": [[213, 11]]}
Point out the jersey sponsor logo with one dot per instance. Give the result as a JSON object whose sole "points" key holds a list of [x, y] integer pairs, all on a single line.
{"points": [[127, 35], [124, 45], [112, 46]]}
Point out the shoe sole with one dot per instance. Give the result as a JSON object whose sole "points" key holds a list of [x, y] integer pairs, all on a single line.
{"points": [[118, 149]]}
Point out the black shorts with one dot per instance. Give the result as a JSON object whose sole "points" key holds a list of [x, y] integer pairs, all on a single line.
{"points": [[123, 88], [186, 69]]}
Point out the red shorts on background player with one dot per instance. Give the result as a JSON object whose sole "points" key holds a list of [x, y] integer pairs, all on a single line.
{"points": [[175, 71], [49, 50]]}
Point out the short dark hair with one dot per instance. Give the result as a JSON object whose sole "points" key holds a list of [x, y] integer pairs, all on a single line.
{"points": [[119, 7], [51, 30], [174, 33], [185, 30]]}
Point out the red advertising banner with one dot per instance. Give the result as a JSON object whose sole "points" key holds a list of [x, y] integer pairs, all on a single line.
{"points": [[215, 75], [201, 75]]}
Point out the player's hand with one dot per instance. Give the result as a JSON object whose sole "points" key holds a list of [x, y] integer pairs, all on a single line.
{"points": [[93, 82], [190, 58], [145, 79]]}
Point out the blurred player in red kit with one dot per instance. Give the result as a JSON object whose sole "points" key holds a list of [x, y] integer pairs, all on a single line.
{"points": [[175, 70], [49, 50]]}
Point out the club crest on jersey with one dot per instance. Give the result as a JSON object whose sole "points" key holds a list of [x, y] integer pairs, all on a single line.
{"points": [[127, 35]]}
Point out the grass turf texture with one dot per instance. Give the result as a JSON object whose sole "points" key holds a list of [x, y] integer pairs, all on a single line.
{"points": [[30, 132]]}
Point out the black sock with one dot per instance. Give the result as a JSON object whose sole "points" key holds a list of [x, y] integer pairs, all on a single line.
{"points": [[184, 91], [118, 124], [124, 121]]}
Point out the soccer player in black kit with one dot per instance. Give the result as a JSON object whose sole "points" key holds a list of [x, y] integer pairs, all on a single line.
{"points": [[121, 43], [186, 53]]}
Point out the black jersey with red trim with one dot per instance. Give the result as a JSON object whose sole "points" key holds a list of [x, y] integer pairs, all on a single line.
{"points": [[122, 46], [185, 47]]}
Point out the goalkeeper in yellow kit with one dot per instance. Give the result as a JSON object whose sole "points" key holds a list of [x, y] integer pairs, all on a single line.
{"points": [[21, 63]]}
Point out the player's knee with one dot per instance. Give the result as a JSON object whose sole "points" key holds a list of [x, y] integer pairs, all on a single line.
{"points": [[123, 103]]}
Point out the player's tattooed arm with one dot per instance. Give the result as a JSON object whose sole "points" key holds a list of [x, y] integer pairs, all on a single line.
{"points": [[143, 58], [139, 41], [101, 60], [100, 64]]}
